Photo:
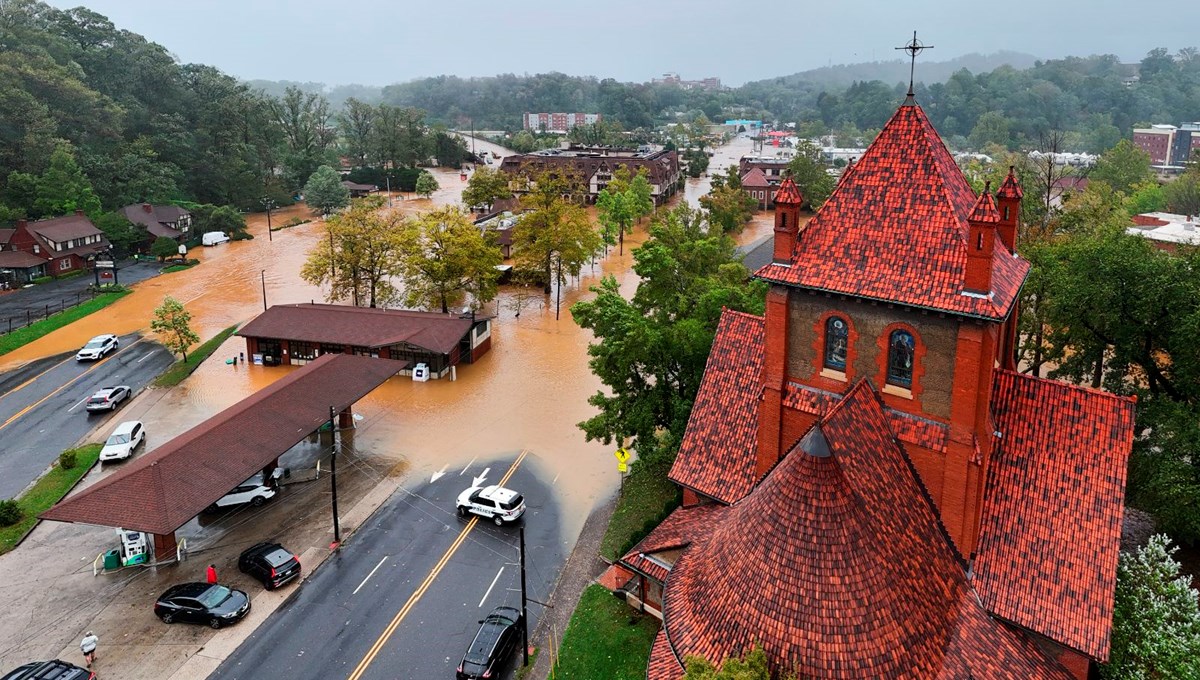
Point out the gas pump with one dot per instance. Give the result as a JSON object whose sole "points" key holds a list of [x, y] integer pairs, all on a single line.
{"points": [[133, 551]]}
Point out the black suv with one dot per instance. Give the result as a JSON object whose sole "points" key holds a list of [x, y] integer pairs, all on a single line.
{"points": [[49, 670], [499, 634], [270, 563]]}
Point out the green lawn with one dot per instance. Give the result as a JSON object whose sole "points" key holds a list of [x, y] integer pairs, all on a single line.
{"points": [[46, 492], [182, 369], [175, 268], [24, 336], [647, 497], [606, 638]]}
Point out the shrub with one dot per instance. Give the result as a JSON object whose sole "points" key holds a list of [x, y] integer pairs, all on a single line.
{"points": [[43, 279], [10, 513], [66, 459]]}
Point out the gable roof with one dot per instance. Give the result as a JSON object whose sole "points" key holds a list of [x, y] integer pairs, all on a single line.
{"points": [[1055, 495], [895, 230], [716, 456], [359, 326], [65, 228], [157, 219], [755, 178], [838, 565]]}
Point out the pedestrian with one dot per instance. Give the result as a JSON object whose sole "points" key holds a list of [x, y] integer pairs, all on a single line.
{"points": [[88, 647], [212, 574]]}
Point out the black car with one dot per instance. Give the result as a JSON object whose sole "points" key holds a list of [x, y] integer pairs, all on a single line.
{"points": [[207, 603], [270, 563], [499, 634], [49, 670]]}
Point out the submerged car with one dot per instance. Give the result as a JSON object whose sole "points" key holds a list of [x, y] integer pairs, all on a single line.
{"points": [[499, 634], [495, 502], [206, 603], [108, 398], [97, 347], [123, 441], [270, 563]]}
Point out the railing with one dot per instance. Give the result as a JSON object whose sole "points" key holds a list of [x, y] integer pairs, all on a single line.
{"points": [[32, 316]]}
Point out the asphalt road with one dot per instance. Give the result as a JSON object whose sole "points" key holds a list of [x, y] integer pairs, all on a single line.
{"points": [[419, 571], [42, 405], [24, 304]]}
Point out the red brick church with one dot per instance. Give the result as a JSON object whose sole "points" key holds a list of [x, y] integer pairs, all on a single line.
{"points": [[870, 487]]}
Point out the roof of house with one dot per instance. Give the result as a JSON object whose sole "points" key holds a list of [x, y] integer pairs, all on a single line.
{"points": [[758, 253], [838, 565], [663, 665], [65, 228], [163, 489], [355, 186], [6, 234], [157, 219], [1055, 494], [676, 531], [755, 179], [895, 230], [359, 326], [716, 457], [19, 259]]}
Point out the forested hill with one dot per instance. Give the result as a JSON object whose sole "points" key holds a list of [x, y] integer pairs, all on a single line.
{"points": [[841, 76]]}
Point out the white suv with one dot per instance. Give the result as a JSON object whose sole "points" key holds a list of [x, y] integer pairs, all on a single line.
{"points": [[97, 347], [500, 504], [123, 441], [254, 491]]}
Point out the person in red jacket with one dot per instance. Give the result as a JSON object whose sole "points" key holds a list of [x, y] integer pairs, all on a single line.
{"points": [[212, 573]]}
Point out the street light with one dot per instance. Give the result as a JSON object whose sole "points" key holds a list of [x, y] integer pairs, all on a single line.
{"points": [[262, 275]]}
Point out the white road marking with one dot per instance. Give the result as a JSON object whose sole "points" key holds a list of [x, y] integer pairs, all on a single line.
{"points": [[78, 403], [437, 474], [489, 590], [146, 357], [478, 481], [368, 578], [553, 481], [468, 467]]}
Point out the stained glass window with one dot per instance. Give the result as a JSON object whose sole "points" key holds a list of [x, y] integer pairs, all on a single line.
{"points": [[900, 358], [836, 335]]}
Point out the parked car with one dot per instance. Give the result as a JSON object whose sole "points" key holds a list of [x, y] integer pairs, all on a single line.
{"points": [[270, 563], [49, 670], [97, 347], [213, 238], [255, 491], [108, 398], [499, 634], [500, 504], [207, 603], [123, 441]]}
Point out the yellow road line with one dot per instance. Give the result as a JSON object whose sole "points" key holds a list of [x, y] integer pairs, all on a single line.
{"points": [[65, 385], [433, 574], [32, 380]]}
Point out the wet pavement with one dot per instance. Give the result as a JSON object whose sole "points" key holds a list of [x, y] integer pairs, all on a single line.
{"points": [[527, 393], [21, 306]]}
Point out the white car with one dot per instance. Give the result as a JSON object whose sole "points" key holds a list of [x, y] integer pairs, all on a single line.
{"points": [[254, 491], [123, 441], [500, 504], [214, 238], [108, 398], [96, 348]]}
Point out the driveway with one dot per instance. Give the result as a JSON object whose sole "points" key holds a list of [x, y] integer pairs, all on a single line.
{"points": [[19, 306]]}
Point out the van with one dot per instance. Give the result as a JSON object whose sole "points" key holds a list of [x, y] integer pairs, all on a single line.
{"points": [[212, 238]]}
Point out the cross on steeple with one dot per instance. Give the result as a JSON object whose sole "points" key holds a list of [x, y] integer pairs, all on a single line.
{"points": [[913, 49]]}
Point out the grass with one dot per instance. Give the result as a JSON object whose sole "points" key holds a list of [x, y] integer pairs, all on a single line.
{"points": [[46, 492], [26, 335], [182, 369], [176, 268], [647, 497], [605, 639]]}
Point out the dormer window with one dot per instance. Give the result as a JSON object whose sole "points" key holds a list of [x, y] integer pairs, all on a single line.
{"points": [[901, 347], [836, 335]]}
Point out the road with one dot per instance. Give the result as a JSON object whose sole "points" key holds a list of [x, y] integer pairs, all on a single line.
{"points": [[416, 570], [42, 405], [20, 306]]}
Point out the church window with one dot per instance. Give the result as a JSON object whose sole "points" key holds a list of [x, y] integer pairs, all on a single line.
{"points": [[836, 335], [783, 220], [901, 346]]}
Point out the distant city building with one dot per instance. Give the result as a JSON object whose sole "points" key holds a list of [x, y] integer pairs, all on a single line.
{"points": [[1168, 145], [558, 122], [595, 167], [674, 79], [772, 168], [1167, 230]]}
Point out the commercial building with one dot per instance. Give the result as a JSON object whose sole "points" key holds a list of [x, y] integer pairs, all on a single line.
{"points": [[671, 78], [593, 167], [1168, 146], [1168, 231], [558, 122]]}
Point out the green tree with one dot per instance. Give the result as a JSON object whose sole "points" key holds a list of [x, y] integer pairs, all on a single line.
{"points": [[1145, 197], [697, 162], [207, 217], [1123, 167], [557, 237], [650, 351], [325, 191], [992, 128], [1156, 618], [807, 169], [426, 184], [120, 232], [164, 247], [447, 258], [172, 323], [304, 120], [64, 188], [728, 204], [1183, 194], [485, 187], [752, 666], [364, 250], [626, 199]]}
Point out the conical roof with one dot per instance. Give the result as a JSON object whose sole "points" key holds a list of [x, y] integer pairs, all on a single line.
{"points": [[789, 193], [1010, 188]]}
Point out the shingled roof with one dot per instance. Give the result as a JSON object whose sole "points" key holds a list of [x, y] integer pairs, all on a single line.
{"points": [[895, 230], [716, 457], [755, 179], [838, 565], [359, 326], [1056, 489]]}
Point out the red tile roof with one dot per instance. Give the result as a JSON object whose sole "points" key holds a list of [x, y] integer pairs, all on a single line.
{"points": [[1011, 188], [838, 565], [789, 193], [359, 326], [895, 230], [676, 531], [755, 179], [716, 457], [985, 208], [1051, 526], [907, 427], [663, 664], [160, 491]]}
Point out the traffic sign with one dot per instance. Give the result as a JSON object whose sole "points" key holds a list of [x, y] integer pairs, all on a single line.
{"points": [[622, 459]]}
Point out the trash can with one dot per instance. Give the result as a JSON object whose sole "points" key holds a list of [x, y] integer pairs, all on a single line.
{"points": [[112, 559]]}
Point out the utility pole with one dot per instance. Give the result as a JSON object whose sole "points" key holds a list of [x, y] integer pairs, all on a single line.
{"points": [[268, 204], [524, 615], [262, 275], [337, 530]]}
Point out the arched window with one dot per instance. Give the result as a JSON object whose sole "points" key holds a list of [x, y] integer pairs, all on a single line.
{"points": [[900, 358], [836, 334]]}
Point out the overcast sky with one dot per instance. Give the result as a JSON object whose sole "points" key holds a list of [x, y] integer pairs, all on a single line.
{"points": [[339, 42]]}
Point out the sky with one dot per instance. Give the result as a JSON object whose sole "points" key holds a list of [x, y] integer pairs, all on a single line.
{"points": [[630, 40]]}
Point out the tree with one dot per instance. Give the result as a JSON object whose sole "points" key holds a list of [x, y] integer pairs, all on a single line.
{"points": [[1145, 197], [650, 351], [1123, 167], [728, 204], [808, 172], [172, 324], [120, 232], [64, 188], [625, 200], [557, 238], [304, 120], [363, 252], [208, 217], [1183, 195], [697, 162], [446, 257], [1156, 618], [752, 666], [164, 247], [426, 184], [325, 192], [486, 186]]}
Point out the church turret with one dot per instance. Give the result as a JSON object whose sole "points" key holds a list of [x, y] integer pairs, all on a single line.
{"points": [[981, 241], [787, 220], [1009, 200]]}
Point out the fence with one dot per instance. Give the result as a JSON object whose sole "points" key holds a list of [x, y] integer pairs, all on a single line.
{"points": [[35, 314]]}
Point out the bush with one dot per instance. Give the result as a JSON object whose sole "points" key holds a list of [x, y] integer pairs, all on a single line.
{"points": [[10, 513], [66, 459], [43, 279], [241, 236]]}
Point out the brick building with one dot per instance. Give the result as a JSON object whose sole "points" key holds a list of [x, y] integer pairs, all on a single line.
{"points": [[49, 247], [1168, 145], [593, 167], [870, 488], [558, 122], [760, 189]]}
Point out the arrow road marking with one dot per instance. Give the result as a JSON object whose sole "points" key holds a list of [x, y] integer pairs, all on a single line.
{"points": [[368, 578], [478, 481], [437, 474]]}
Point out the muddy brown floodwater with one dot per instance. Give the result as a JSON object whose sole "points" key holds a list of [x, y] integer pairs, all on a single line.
{"points": [[528, 392]]}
